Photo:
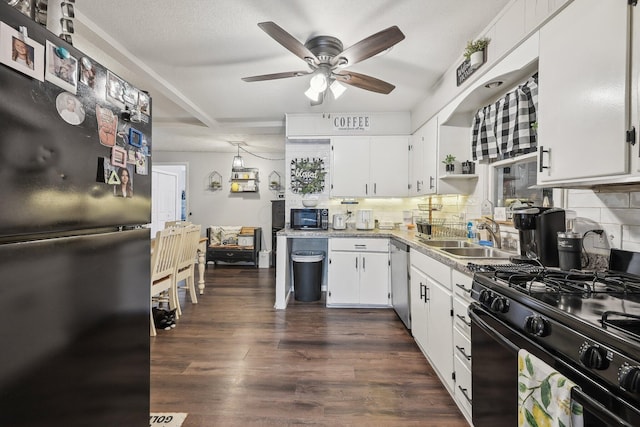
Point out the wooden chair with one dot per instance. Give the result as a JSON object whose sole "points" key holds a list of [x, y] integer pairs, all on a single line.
{"points": [[185, 265], [177, 223], [163, 267]]}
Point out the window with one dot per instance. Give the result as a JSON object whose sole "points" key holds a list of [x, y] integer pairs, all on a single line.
{"points": [[513, 181]]}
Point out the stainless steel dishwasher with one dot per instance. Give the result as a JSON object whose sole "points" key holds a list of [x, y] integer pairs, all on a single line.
{"points": [[400, 281]]}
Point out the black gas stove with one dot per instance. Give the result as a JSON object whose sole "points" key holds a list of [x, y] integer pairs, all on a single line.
{"points": [[589, 321]]}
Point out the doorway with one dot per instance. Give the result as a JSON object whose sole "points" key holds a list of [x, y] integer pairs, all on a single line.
{"points": [[168, 195]]}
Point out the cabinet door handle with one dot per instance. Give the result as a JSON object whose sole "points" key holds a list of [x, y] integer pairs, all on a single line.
{"points": [[463, 288], [464, 320], [541, 165], [364, 267], [464, 393], [464, 353], [426, 294], [418, 186], [375, 188], [356, 263], [422, 294], [366, 189], [431, 184]]}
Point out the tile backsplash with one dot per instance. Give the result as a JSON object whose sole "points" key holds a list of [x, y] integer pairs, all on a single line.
{"points": [[618, 214]]}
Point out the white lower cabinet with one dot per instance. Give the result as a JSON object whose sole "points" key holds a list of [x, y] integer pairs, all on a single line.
{"points": [[358, 272], [431, 313], [462, 341]]}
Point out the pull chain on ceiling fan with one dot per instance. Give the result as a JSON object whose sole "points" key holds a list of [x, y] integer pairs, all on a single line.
{"points": [[327, 59]]}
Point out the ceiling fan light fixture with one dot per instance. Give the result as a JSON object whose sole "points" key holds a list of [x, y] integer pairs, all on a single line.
{"points": [[318, 82], [312, 94], [337, 89]]}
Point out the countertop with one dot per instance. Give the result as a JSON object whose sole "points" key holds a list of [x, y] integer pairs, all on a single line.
{"points": [[408, 237]]}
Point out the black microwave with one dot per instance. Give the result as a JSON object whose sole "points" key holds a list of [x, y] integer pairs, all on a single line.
{"points": [[309, 219]]}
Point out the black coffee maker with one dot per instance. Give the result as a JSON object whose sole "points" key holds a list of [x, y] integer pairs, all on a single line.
{"points": [[538, 228]]}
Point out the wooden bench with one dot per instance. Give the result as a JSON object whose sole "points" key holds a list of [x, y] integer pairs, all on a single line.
{"points": [[225, 247]]}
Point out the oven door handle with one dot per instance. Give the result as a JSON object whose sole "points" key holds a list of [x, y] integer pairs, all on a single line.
{"points": [[600, 411]]}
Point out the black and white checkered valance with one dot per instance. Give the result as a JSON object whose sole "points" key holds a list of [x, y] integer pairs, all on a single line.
{"points": [[504, 127]]}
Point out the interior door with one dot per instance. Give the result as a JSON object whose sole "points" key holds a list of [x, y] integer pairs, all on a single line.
{"points": [[164, 199]]}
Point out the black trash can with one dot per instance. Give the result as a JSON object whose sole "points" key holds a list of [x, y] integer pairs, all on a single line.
{"points": [[307, 275]]}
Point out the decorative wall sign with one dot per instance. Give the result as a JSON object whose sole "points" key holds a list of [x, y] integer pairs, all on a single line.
{"points": [[466, 69], [21, 53], [62, 68], [351, 122], [307, 175]]}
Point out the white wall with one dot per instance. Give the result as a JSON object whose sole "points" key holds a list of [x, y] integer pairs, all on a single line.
{"points": [[222, 207]]}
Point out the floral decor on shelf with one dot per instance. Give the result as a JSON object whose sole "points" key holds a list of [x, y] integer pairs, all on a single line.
{"points": [[307, 175]]}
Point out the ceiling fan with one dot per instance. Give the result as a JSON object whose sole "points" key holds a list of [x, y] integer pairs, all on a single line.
{"points": [[327, 59]]}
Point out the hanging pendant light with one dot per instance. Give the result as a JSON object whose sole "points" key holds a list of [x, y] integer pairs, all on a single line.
{"points": [[238, 162]]}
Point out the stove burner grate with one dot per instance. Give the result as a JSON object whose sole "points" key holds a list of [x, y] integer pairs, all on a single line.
{"points": [[628, 323]]}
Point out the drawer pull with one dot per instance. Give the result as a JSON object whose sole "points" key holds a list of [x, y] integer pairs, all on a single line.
{"points": [[464, 353], [464, 393], [463, 288], [464, 320]]}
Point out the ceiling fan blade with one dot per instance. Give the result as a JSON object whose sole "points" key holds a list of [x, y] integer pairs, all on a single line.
{"points": [[364, 82], [369, 47], [288, 41], [276, 76]]}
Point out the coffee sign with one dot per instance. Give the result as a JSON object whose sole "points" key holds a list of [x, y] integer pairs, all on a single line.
{"points": [[350, 122]]}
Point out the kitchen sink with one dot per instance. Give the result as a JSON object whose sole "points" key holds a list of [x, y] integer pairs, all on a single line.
{"points": [[449, 244], [476, 252]]}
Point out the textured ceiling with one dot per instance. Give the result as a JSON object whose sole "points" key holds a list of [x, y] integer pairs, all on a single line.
{"points": [[190, 55]]}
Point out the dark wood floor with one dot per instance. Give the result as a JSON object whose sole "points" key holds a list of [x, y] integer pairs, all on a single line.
{"points": [[233, 360]]}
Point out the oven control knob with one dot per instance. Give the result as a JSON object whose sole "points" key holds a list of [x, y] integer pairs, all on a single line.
{"points": [[486, 297], [500, 304], [594, 357], [537, 325], [629, 378]]}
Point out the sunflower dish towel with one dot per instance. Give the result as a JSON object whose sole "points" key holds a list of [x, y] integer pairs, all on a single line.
{"points": [[544, 395]]}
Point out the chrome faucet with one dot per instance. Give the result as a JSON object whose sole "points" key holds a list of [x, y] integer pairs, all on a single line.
{"points": [[493, 228]]}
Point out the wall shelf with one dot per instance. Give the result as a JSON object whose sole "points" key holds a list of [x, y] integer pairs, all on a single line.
{"points": [[453, 176], [244, 180], [215, 181], [275, 181]]}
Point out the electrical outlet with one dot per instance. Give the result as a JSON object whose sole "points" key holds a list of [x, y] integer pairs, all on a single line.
{"points": [[601, 241]]}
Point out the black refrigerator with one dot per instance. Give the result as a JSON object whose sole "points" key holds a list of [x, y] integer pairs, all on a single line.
{"points": [[75, 190]]}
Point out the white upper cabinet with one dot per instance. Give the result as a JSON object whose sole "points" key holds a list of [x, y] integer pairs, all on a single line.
{"points": [[422, 159], [583, 109], [349, 166], [374, 166], [388, 158]]}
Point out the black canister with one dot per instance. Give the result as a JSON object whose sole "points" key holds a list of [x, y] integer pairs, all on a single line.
{"points": [[569, 250]]}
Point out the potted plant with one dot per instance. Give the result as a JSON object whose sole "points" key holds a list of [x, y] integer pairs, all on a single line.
{"points": [[449, 164], [474, 52]]}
